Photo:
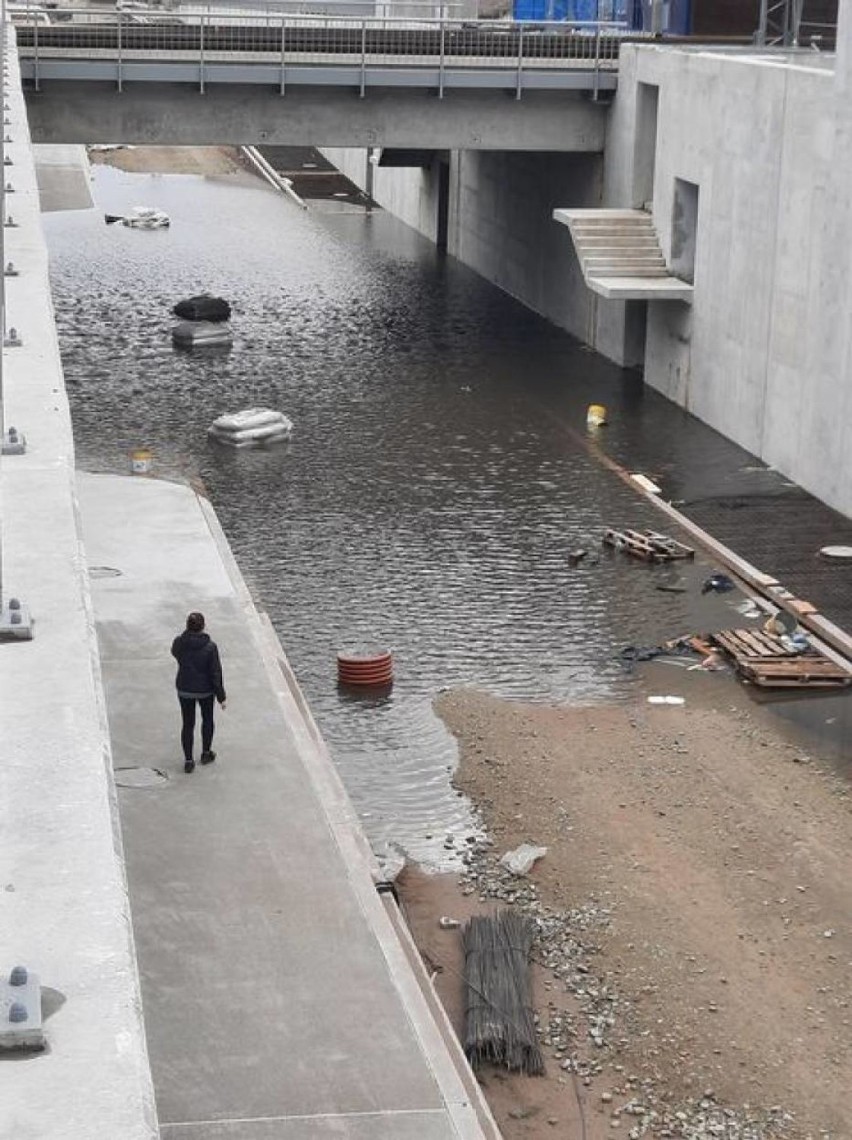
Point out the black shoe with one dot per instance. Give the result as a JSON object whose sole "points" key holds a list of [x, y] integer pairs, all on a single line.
{"points": [[208, 757], [189, 766]]}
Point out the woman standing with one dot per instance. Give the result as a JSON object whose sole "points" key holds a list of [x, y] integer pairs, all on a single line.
{"points": [[199, 678]]}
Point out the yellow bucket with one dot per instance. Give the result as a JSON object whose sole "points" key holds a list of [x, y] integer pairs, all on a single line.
{"points": [[141, 460], [596, 415]]}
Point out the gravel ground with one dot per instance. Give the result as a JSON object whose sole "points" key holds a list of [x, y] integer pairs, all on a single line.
{"points": [[693, 931]]}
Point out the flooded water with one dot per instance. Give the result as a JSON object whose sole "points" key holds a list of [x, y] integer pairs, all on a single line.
{"points": [[434, 484]]}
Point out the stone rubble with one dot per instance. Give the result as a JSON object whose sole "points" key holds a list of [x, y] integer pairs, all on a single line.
{"points": [[589, 1045]]}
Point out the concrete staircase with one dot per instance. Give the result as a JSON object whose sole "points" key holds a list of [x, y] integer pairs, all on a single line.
{"points": [[618, 243], [620, 254]]}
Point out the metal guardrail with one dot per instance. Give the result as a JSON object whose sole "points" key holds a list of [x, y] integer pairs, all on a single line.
{"points": [[209, 46]]}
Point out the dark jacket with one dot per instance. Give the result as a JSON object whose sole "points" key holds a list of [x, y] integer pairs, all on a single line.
{"points": [[199, 669]]}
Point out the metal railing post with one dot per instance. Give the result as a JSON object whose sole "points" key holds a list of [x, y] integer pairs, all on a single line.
{"points": [[118, 76], [201, 51], [36, 73], [760, 37], [283, 57], [363, 58], [597, 74], [519, 85], [441, 64]]}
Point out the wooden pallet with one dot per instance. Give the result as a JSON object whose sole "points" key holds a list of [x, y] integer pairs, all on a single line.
{"points": [[647, 544], [765, 660]]}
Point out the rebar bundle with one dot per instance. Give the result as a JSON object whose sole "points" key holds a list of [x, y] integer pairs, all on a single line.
{"points": [[499, 1022]]}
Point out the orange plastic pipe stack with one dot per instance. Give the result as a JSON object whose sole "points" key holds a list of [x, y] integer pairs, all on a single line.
{"points": [[366, 669]]}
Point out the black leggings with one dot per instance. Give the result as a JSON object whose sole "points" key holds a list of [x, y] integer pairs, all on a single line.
{"points": [[187, 712]]}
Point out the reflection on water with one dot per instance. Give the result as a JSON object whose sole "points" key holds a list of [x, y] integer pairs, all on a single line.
{"points": [[433, 484]]}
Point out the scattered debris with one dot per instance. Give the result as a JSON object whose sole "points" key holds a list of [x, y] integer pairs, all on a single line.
{"points": [[718, 584], [576, 556], [647, 544], [521, 860], [667, 700], [446, 923], [836, 553], [141, 218], [391, 859]]}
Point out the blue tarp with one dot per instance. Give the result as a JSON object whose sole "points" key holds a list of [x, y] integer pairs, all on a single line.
{"points": [[676, 14]]}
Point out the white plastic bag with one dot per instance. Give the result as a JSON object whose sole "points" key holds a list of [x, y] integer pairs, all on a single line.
{"points": [[520, 861]]}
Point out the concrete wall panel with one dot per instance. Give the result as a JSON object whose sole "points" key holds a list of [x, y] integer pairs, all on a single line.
{"points": [[503, 227], [768, 357]]}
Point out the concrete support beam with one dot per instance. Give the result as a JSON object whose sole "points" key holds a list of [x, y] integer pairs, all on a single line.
{"points": [[178, 115]]}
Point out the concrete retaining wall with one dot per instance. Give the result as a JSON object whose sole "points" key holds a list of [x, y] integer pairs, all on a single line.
{"points": [[762, 354], [64, 911], [501, 225]]}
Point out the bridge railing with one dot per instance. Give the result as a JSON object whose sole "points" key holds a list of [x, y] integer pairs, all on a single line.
{"points": [[451, 51]]}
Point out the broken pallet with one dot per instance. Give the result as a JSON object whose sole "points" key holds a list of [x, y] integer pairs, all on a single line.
{"points": [[647, 544], [766, 660]]}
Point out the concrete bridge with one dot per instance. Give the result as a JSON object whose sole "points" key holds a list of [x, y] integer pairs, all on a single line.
{"points": [[330, 81]]}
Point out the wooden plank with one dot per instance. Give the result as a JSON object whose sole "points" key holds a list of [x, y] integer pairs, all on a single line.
{"points": [[622, 540], [773, 644], [805, 681], [730, 644], [801, 608], [804, 666], [671, 545], [751, 645]]}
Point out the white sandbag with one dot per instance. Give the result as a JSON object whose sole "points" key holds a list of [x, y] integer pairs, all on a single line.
{"points": [[250, 418], [259, 437], [252, 435]]}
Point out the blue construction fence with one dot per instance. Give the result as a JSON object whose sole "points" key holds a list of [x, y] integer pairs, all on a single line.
{"points": [[634, 14]]}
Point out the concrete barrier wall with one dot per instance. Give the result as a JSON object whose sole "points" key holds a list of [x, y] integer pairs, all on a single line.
{"points": [[757, 356], [64, 910]]}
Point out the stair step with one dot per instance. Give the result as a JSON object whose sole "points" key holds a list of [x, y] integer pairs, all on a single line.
{"points": [[606, 242], [612, 227], [593, 265], [620, 271], [619, 251]]}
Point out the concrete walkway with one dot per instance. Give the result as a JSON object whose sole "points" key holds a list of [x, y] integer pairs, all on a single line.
{"points": [[281, 995]]}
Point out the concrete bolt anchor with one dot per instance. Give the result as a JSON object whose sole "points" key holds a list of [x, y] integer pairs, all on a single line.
{"points": [[10, 189], [19, 975], [12, 339], [8, 138], [7, 161], [10, 223], [18, 1011], [10, 270]]}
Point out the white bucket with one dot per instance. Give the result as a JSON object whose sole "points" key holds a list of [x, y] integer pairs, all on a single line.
{"points": [[140, 461]]}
